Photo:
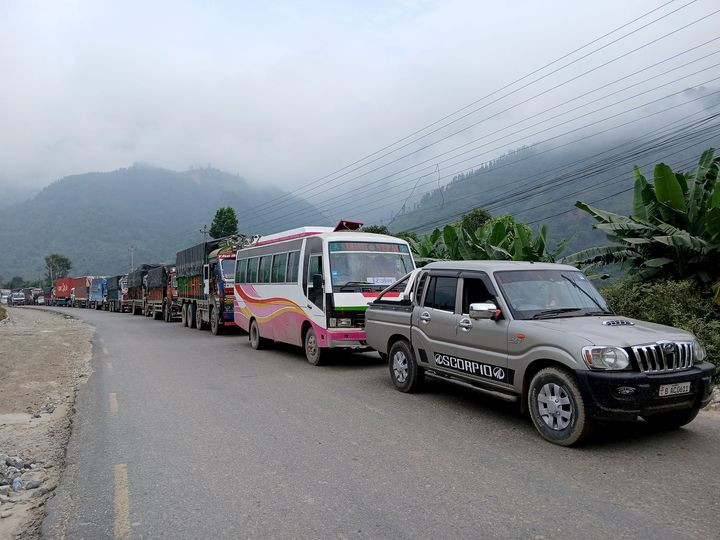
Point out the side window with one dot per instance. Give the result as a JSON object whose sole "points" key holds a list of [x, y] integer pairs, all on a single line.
{"points": [[444, 293], [240, 273], [252, 270], [278, 268], [292, 266], [264, 269], [474, 292], [420, 287]]}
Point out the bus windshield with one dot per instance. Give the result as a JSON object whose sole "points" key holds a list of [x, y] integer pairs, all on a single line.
{"points": [[355, 266], [228, 269]]}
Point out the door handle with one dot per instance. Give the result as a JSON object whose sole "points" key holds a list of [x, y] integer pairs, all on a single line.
{"points": [[465, 323], [425, 316]]}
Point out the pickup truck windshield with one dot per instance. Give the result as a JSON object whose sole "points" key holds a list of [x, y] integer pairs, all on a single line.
{"points": [[545, 294], [355, 266]]}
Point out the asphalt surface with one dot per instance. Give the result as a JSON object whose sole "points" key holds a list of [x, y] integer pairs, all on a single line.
{"points": [[181, 434]]}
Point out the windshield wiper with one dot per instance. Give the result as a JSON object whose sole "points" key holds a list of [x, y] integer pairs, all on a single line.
{"points": [[354, 284], [550, 312], [579, 288], [603, 312]]}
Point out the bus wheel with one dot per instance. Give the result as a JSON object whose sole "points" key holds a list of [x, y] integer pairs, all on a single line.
{"points": [[183, 314], [314, 354], [215, 326], [256, 342]]}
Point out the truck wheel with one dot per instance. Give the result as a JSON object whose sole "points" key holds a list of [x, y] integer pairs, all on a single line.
{"points": [[191, 314], [316, 355], [199, 322], [557, 408], [215, 327], [135, 310], [673, 419], [167, 311], [406, 375], [256, 342], [183, 315]]}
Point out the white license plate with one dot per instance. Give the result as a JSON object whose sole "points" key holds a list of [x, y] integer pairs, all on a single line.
{"points": [[666, 390]]}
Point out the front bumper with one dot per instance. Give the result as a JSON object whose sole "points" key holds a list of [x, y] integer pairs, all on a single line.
{"points": [[603, 402]]}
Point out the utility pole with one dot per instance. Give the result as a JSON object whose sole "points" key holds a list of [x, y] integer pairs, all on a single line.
{"points": [[204, 232], [131, 252]]}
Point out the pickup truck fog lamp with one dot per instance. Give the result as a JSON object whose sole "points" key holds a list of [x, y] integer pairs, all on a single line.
{"points": [[605, 358], [699, 352]]}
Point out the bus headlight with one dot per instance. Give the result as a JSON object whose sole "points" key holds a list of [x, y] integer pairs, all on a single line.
{"points": [[605, 358], [340, 323]]}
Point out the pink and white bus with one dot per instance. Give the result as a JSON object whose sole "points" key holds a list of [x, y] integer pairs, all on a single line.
{"points": [[310, 286]]}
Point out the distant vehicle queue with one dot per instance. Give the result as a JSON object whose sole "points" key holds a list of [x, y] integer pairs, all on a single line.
{"points": [[307, 287]]}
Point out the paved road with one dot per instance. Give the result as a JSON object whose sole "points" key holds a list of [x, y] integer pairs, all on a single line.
{"points": [[180, 434]]}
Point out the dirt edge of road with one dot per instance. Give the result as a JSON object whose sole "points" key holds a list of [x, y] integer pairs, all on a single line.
{"points": [[44, 360]]}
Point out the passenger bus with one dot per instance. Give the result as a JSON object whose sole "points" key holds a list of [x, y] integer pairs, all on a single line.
{"points": [[310, 286]]}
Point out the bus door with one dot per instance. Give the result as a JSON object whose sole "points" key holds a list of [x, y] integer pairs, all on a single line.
{"points": [[315, 290]]}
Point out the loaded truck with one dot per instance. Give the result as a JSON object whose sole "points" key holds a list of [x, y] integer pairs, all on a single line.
{"points": [[80, 293], [205, 277], [98, 292], [117, 294], [162, 299], [137, 288], [62, 291], [542, 335]]}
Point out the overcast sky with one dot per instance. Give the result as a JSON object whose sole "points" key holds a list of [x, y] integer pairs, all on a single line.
{"points": [[279, 92]]}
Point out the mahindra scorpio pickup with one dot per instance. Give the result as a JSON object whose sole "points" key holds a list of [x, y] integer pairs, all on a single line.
{"points": [[542, 334]]}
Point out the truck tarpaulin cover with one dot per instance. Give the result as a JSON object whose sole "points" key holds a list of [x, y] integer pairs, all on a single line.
{"points": [[189, 262], [135, 279], [157, 277]]}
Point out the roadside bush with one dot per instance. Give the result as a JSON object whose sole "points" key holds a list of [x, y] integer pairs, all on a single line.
{"points": [[683, 304], [2, 313]]}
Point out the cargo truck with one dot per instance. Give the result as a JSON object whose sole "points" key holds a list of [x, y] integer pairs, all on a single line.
{"points": [[161, 301], [117, 294], [98, 292], [137, 288], [80, 292], [61, 292], [205, 278]]}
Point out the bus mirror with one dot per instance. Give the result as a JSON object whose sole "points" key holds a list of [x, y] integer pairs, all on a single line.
{"points": [[317, 281]]}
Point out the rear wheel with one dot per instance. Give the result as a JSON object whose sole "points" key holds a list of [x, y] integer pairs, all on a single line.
{"points": [[191, 313], [256, 342], [315, 355], [672, 419], [167, 311], [406, 375], [557, 408], [199, 322], [215, 326], [184, 315]]}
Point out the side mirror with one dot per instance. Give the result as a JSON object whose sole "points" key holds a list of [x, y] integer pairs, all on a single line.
{"points": [[486, 310], [317, 281]]}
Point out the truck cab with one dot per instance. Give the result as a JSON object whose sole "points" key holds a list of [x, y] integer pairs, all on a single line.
{"points": [[542, 335]]}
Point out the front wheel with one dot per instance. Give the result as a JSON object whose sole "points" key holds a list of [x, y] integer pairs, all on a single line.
{"points": [[315, 355], [215, 326], [673, 419], [557, 408], [406, 375], [191, 314]]}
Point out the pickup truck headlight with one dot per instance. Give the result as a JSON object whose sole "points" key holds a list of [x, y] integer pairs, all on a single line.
{"points": [[606, 358], [699, 352]]}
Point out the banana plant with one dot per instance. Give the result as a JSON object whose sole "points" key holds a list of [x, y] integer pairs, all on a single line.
{"points": [[673, 231]]}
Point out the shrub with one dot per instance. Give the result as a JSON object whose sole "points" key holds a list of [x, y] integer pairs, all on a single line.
{"points": [[683, 304], [2, 313]]}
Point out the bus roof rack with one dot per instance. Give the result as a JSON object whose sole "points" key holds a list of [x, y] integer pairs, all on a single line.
{"points": [[348, 225]]}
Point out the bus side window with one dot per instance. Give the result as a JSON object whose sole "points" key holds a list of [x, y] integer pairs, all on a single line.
{"points": [[240, 271], [279, 265], [252, 270], [292, 267]]}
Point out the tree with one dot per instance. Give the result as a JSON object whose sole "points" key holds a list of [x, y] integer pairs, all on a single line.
{"points": [[58, 266], [377, 229], [224, 223], [674, 230], [16, 282], [475, 219]]}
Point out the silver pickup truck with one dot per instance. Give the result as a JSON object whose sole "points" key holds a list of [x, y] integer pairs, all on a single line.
{"points": [[543, 335]]}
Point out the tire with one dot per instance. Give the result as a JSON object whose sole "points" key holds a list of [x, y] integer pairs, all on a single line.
{"points": [[215, 327], [315, 355], [135, 310], [199, 323], [256, 342], [191, 314], [167, 311], [557, 408], [673, 419], [183, 315], [406, 375]]}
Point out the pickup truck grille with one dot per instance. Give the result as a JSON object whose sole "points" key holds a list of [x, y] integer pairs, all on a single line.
{"points": [[664, 357]]}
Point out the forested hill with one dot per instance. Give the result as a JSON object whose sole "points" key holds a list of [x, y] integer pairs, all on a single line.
{"points": [[93, 218], [540, 184]]}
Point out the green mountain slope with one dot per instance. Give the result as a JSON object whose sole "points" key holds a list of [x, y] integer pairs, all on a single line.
{"points": [[93, 218]]}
